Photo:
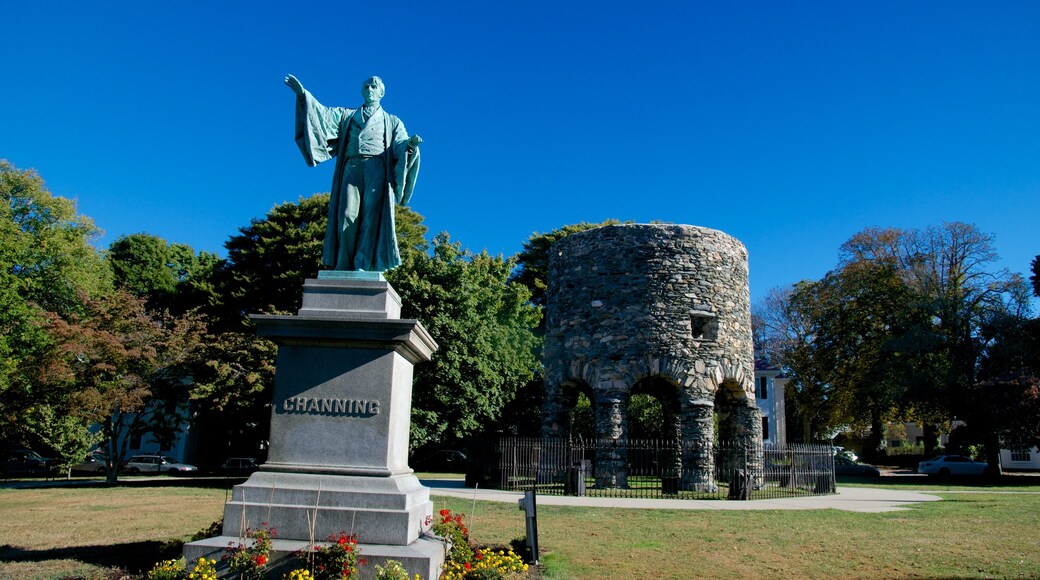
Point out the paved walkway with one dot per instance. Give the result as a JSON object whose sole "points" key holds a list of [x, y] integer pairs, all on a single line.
{"points": [[852, 499]]}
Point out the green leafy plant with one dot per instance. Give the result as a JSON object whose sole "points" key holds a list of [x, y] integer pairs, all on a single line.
{"points": [[167, 570], [204, 569], [464, 562], [249, 559], [337, 560], [392, 571], [487, 565], [451, 528]]}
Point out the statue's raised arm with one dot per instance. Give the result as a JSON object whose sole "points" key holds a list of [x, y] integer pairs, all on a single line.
{"points": [[294, 84]]}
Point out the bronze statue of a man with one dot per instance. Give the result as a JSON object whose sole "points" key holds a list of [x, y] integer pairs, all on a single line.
{"points": [[376, 166]]}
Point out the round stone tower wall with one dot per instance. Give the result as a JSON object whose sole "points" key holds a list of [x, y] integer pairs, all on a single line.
{"points": [[669, 302]]}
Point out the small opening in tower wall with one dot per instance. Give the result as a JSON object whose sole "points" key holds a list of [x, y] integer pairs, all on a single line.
{"points": [[704, 326]]}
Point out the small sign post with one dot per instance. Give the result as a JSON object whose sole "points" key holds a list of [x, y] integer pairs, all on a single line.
{"points": [[527, 505]]}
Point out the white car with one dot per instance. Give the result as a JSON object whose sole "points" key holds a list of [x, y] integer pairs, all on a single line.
{"points": [[94, 463], [944, 465], [158, 464]]}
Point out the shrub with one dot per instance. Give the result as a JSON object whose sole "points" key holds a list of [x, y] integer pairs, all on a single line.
{"points": [[487, 565], [250, 559], [392, 571], [175, 570], [466, 563], [167, 570], [452, 529], [338, 560]]}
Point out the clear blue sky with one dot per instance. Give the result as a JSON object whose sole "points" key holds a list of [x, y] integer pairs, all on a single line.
{"points": [[789, 125]]}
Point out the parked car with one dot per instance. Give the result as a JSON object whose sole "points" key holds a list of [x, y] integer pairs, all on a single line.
{"points": [[944, 465], [440, 461], [846, 453], [157, 464], [845, 466], [235, 466], [23, 462], [93, 463]]}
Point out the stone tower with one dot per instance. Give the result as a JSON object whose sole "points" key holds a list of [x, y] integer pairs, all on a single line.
{"points": [[657, 309]]}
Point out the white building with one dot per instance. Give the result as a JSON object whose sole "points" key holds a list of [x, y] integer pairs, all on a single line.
{"points": [[769, 394], [1020, 459]]}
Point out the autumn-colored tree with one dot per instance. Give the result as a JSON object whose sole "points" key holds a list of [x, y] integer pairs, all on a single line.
{"points": [[900, 328], [121, 368]]}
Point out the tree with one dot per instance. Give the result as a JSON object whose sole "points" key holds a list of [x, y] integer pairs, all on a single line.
{"points": [[46, 245], [167, 276], [141, 264], [1035, 278], [64, 431], [484, 325], [122, 369], [268, 261], [783, 328], [901, 324], [47, 266], [1006, 414], [647, 418], [232, 394]]}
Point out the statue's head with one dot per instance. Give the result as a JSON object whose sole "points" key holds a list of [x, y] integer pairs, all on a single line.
{"points": [[372, 90]]}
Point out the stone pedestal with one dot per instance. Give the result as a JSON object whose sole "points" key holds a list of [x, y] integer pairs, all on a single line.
{"points": [[338, 460]]}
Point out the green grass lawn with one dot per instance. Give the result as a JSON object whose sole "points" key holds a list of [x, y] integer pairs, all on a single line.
{"points": [[1012, 483], [965, 536], [56, 532]]}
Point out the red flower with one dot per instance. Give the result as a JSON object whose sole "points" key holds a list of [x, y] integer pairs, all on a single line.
{"points": [[468, 567], [261, 560], [363, 562], [480, 556]]}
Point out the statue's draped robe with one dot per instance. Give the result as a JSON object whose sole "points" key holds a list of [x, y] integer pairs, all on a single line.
{"points": [[322, 133]]}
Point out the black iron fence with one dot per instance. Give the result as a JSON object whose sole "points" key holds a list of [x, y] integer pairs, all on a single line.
{"points": [[676, 469]]}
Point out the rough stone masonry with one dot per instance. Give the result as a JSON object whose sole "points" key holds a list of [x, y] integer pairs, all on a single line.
{"points": [[635, 303]]}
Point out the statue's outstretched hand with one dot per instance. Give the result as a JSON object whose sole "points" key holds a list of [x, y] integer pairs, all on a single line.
{"points": [[414, 141], [294, 84]]}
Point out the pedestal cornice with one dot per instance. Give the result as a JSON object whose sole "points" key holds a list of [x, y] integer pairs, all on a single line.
{"points": [[405, 336]]}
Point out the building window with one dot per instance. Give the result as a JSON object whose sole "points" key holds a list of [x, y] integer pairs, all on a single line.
{"points": [[765, 427], [135, 440], [1019, 455], [763, 388]]}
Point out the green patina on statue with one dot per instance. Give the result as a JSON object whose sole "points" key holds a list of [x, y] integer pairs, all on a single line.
{"points": [[376, 166]]}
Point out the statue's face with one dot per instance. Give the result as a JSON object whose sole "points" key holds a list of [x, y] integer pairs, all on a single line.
{"points": [[372, 90]]}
